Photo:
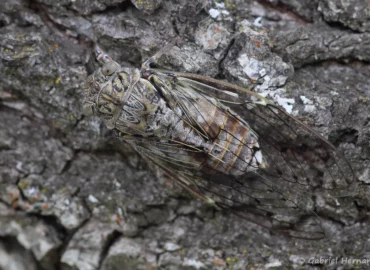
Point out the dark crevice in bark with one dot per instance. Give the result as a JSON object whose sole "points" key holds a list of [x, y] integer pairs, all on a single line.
{"points": [[341, 26], [221, 74], [39, 9], [124, 5], [69, 236], [285, 9], [54, 222], [335, 61], [62, 233], [55, 27], [27, 112], [364, 212], [69, 163], [110, 241], [13, 247], [348, 135]]}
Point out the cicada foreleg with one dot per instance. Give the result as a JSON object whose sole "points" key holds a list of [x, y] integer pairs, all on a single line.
{"points": [[146, 65]]}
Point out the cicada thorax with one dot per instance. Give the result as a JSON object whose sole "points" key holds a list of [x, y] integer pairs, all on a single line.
{"points": [[130, 104]]}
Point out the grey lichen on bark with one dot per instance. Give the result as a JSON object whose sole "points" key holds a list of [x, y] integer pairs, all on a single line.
{"points": [[72, 196]]}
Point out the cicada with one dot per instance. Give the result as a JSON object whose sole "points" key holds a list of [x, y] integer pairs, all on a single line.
{"points": [[227, 145]]}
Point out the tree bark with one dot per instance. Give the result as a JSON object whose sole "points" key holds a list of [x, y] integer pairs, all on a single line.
{"points": [[72, 196]]}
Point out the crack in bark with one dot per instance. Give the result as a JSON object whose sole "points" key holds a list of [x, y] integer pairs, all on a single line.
{"points": [[55, 27], [225, 53], [286, 9], [111, 240]]}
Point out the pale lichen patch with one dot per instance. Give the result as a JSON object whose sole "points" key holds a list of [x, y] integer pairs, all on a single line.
{"points": [[195, 263], [276, 95]]}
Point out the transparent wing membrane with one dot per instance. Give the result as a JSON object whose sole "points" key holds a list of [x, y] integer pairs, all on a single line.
{"points": [[297, 154], [253, 198], [299, 162], [294, 152]]}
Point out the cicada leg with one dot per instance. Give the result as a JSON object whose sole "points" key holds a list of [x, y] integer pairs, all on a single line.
{"points": [[101, 56], [146, 65]]}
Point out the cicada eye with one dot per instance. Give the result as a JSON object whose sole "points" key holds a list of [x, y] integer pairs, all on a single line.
{"points": [[106, 58], [97, 53], [87, 109], [109, 68]]}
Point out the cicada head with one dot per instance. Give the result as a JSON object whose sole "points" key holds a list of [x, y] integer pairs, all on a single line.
{"points": [[105, 89]]}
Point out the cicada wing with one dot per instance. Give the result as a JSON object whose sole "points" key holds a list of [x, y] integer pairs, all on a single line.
{"points": [[298, 161], [257, 200], [297, 154], [252, 196], [294, 153]]}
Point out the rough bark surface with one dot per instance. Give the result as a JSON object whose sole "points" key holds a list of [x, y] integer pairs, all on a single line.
{"points": [[73, 197]]}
